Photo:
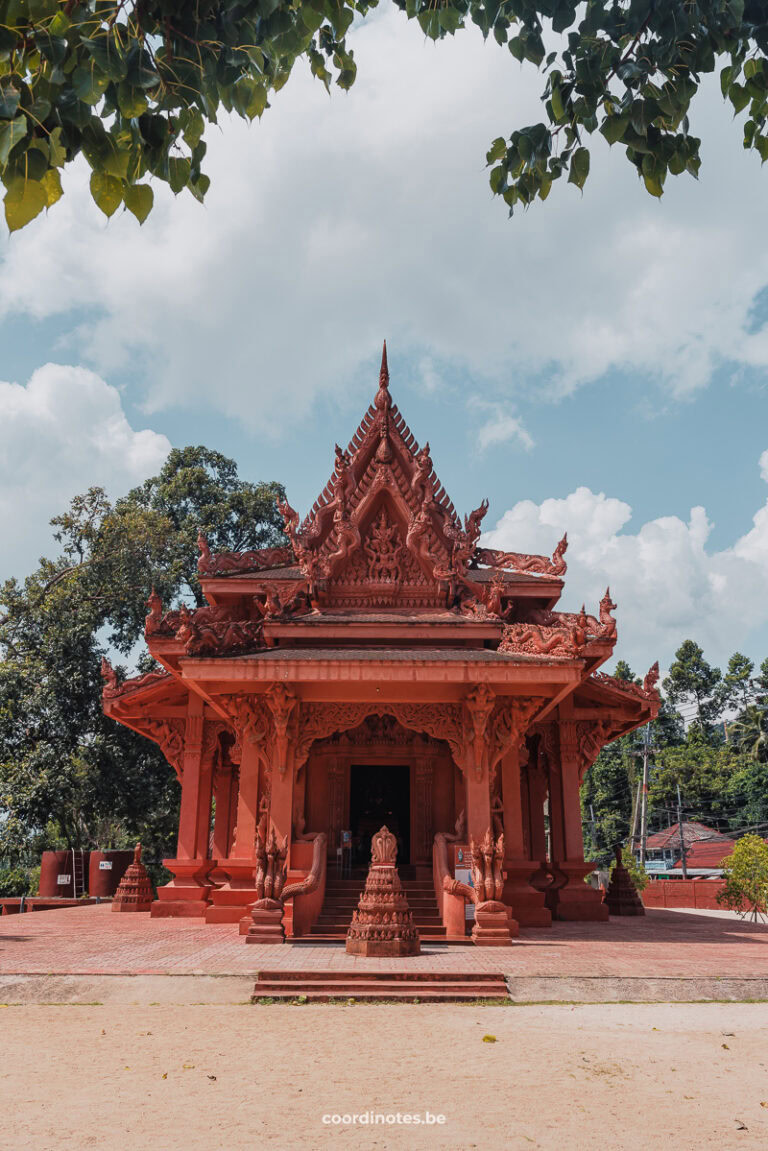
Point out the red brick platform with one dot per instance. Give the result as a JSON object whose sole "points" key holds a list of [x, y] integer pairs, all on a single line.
{"points": [[662, 944]]}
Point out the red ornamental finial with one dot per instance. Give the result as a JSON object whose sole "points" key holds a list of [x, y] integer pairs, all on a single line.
{"points": [[383, 399]]}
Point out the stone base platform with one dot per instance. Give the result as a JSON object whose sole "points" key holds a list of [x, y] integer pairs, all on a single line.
{"points": [[700, 951]]}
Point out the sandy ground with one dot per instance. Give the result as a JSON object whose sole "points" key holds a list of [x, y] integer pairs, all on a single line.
{"points": [[229, 1077]]}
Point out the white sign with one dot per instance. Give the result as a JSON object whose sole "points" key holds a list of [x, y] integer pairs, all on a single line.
{"points": [[465, 876], [105, 865], [63, 880]]}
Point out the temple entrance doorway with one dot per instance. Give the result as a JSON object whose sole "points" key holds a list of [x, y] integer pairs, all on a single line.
{"points": [[379, 794]]}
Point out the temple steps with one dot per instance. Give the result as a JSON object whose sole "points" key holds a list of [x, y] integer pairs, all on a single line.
{"points": [[372, 986], [343, 893]]}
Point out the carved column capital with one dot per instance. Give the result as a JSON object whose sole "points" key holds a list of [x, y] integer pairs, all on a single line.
{"points": [[283, 704]]}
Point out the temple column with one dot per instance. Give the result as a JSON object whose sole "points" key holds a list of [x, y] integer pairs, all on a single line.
{"points": [[223, 784], [478, 799], [230, 901], [423, 833], [528, 905], [247, 803], [536, 795], [234, 794], [570, 897], [335, 804], [188, 892]]}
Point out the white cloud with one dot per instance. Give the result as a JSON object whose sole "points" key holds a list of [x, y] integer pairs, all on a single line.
{"points": [[501, 426], [63, 432], [332, 223], [668, 586]]}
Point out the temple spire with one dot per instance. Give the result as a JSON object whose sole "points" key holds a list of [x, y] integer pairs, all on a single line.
{"points": [[383, 398]]}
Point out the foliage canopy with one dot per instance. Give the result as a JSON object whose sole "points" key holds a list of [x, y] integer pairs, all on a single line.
{"points": [[132, 84], [69, 776], [746, 877]]}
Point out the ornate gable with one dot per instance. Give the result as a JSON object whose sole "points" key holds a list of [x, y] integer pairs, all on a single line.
{"points": [[383, 531]]}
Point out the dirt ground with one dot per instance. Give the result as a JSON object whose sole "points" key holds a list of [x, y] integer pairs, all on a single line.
{"points": [[232, 1077]]}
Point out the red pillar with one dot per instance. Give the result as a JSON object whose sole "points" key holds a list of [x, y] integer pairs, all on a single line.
{"points": [[188, 892], [526, 902], [572, 899], [478, 799], [230, 901], [223, 783]]}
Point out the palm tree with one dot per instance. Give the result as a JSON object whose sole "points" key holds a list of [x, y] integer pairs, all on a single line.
{"points": [[751, 733]]}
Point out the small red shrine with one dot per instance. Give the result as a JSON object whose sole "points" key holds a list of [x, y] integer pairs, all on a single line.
{"points": [[380, 668]]}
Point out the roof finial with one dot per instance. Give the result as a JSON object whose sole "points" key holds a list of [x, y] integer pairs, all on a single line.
{"points": [[383, 399]]}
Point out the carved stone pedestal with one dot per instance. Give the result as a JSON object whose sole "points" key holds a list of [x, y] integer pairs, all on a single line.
{"points": [[570, 898], [382, 923], [266, 922], [527, 903], [622, 897], [134, 892], [188, 892], [492, 925], [236, 895]]}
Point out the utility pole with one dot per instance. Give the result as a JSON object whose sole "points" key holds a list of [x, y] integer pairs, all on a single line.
{"points": [[635, 814], [683, 859], [644, 803]]}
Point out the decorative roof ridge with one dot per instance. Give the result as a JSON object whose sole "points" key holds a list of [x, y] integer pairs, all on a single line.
{"points": [[231, 563], [526, 562], [114, 688], [646, 690]]}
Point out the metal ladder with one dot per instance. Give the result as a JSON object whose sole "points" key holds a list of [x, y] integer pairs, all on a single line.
{"points": [[78, 874]]}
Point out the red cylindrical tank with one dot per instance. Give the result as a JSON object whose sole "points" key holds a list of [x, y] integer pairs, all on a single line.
{"points": [[106, 870], [63, 874]]}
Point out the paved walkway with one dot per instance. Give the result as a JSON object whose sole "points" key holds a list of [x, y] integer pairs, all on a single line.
{"points": [[663, 943]]}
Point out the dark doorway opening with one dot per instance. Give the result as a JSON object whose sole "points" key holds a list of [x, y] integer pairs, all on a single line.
{"points": [[379, 794]]}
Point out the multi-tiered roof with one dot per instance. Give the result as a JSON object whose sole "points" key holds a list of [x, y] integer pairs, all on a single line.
{"points": [[384, 569]]}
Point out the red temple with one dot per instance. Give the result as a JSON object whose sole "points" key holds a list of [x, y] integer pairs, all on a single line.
{"points": [[380, 668]]}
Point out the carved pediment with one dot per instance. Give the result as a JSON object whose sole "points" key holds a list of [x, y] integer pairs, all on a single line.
{"points": [[382, 571], [383, 463]]}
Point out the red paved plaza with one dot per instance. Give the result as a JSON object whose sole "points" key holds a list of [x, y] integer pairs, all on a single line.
{"points": [[90, 940]]}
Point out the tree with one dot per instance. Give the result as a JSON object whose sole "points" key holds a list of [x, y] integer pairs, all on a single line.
{"points": [[746, 877], [132, 84], [68, 775], [607, 791], [691, 681], [737, 687], [704, 774]]}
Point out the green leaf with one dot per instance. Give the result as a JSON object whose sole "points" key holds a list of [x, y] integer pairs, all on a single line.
{"points": [[131, 101], [107, 192], [51, 182], [139, 199], [579, 167], [178, 173], [10, 133], [450, 19], [89, 84], [498, 179], [497, 150], [739, 97], [10, 95], [558, 110], [24, 200], [614, 127], [200, 186]]}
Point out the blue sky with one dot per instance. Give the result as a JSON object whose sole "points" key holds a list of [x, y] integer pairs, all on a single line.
{"points": [[596, 364]]}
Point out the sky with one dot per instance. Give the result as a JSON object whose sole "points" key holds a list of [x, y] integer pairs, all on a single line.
{"points": [[597, 364]]}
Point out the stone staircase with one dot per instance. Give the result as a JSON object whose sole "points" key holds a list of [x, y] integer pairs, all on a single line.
{"points": [[373, 986], [342, 895]]}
